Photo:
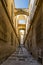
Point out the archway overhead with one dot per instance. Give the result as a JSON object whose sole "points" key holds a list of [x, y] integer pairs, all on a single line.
{"points": [[20, 12], [22, 18], [21, 26], [21, 29]]}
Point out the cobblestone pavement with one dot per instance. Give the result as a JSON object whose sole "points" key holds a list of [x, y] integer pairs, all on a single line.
{"points": [[21, 57]]}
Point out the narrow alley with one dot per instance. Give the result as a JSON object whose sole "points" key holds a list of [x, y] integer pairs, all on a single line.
{"points": [[21, 32]]}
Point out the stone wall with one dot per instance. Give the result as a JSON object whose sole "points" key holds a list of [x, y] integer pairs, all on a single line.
{"points": [[8, 38], [35, 35]]}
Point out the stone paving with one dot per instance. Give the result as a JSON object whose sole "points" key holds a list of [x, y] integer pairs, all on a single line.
{"points": [[21, 57]]}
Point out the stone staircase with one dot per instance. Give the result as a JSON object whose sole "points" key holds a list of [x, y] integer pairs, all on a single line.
{"points": [[21, 57]]}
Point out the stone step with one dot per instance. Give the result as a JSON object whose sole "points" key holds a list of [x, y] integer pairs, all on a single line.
{"points": [[21, 57]]}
